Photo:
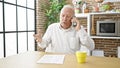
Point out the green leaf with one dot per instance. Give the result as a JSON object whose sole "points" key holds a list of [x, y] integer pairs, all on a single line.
{"points": [[52, 11]]}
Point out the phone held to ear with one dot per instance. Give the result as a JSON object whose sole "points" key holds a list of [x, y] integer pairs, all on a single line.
{"points": [[74, 24]]}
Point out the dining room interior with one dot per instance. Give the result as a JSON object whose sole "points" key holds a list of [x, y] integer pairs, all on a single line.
{"points": [[105, 45], [20, 19]]}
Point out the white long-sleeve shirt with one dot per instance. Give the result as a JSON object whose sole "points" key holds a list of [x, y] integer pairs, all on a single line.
{"points": [[65, 40]]}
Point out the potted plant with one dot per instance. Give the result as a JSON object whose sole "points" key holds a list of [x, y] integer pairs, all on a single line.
{"points": [[52, 11], [108, 6], [77, 5]]}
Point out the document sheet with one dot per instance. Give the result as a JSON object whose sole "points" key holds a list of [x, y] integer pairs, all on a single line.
{"points": [[53, 59]]}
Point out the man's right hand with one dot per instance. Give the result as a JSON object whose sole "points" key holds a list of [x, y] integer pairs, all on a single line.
{"points": [[38, 36]]}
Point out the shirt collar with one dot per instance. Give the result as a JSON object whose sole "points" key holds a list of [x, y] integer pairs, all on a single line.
{"points": [[70, 28]]}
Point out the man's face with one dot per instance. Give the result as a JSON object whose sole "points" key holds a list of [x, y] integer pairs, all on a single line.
{"points": [[66, 17]]}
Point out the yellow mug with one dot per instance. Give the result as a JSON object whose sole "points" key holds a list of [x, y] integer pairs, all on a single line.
{"points": [[81, 56]]}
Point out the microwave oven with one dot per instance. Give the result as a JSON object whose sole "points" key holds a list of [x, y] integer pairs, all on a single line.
{"points": [[108, 28]]}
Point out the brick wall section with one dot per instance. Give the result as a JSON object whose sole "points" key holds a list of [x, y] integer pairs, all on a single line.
{"points": [[109, 46], [83, 22], [40, 16]]}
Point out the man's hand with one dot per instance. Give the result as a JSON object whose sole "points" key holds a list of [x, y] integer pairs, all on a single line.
{"points": [[77, 27], [38, 36]]}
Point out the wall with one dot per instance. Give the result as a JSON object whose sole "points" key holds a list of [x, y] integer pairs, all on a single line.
{"points": [[108, 45], [40, 17]]}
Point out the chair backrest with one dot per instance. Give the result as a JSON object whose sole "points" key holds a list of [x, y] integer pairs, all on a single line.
{"points": [[98, 53], [118, 51]]}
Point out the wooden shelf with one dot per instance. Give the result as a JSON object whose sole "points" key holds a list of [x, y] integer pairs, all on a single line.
{"points": [[82, 15], [103, 37]]}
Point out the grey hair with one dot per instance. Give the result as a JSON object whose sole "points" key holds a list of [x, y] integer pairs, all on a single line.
{"points": [[68, 6]]}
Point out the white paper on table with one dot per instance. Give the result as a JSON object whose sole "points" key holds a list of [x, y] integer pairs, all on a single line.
{"points": [[55, 59]]}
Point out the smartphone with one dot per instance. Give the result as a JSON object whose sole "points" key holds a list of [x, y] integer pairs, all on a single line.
{"points": [[74, 24]]}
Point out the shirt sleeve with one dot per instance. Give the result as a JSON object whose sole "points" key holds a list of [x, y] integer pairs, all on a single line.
{"points": [[46, 39], [85, 39]]}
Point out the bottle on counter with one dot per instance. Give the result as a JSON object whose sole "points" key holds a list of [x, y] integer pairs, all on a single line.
{"points": [[84, 7]]}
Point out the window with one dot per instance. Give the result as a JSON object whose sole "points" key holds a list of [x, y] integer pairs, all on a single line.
{"points": [[1, 30], [1, 18], [30, 19], [21, 19], [1, 46], [10, 1], [10, 17], [22, 2], [31, 47], [30, 3], [11, 42], [17, 26], [22, 42]]}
